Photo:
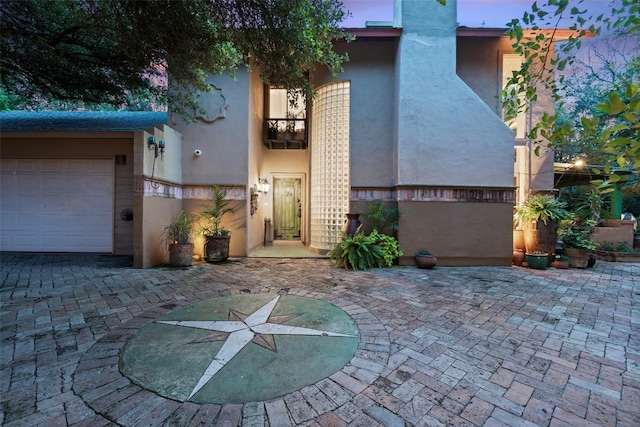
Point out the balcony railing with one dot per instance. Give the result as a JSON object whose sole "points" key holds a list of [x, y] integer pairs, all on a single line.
{"points": [[285, 133]]}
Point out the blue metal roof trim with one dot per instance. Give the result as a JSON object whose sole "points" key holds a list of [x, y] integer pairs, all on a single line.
{"points": [[114, 121]]}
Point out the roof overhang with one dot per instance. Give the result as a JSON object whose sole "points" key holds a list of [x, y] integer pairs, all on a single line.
{"points": [[557, 34]]}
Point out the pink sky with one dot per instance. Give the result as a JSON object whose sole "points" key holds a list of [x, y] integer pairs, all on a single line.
{"points": [[471, 13]]}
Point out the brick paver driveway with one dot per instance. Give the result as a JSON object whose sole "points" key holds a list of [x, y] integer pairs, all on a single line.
{"points": [[451, 346]]}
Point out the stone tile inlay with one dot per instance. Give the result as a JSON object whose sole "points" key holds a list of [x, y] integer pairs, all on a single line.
{"points": [[241, 348], [100, 380]]}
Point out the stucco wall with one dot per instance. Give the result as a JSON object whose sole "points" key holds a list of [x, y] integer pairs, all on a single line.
{"points": [[478, 64], [257, 168], [370, 71], [224, 142], [457, 233], [156, 212], [446, 134]]}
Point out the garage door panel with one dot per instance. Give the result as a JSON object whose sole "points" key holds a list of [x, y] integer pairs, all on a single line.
{"points": [[57, 205]]}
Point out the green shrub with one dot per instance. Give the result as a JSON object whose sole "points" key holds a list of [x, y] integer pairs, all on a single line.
{"points": [[541, 208], [359, 252], [362, 251], [389, 246]]}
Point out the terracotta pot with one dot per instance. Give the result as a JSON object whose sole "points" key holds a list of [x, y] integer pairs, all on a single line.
{"points": [[425, 261], [561, 265], [518, 257], [352, 224], [180, 255]]}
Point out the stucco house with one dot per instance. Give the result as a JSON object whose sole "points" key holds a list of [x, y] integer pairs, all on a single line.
{"points": [[413, 120]]}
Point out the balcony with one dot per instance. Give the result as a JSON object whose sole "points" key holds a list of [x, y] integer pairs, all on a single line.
{"points": [[285, 134]]}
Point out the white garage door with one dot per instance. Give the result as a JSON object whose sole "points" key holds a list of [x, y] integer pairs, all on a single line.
{"points": [[56, 205]]}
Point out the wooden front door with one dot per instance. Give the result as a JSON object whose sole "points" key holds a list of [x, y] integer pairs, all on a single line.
{"points": [[287, 208]]}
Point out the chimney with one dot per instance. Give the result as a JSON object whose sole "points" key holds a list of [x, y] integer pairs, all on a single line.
{"points": [[446, 135]]}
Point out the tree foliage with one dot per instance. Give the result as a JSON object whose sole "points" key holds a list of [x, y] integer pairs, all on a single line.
{"points": [[118, 52], [614, 122]]}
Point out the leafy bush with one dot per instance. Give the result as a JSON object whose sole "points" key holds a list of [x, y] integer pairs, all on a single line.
{"points": [[380, 216], [389, 246], [359, 252], [362, 251], [620, 247], [541, 208], [576, 234]]}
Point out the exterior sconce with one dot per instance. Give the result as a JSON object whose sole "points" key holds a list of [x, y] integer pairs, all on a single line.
{"points": [[155, 146], [263, 185]]}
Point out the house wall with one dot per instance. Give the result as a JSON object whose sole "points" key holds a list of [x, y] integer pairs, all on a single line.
{"points": [[455, 155], [84, 145], [257, 166], [226, 143], [479, 64], [157, 193], [371, 72]]}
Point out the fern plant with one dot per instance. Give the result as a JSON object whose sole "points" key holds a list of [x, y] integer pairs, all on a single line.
{"points": [[357, 252]]}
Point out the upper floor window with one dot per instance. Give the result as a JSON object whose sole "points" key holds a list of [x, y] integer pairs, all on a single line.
{"points": [[286, 118]]}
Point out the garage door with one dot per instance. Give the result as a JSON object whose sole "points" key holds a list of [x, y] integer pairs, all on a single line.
{"points": [[56, 205]]}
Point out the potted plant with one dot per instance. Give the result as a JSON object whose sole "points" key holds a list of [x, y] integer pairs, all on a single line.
{"points": [[177, 234], [537, 259], [217, 237], [539, 216], [561, 262], [575, 234], [425, 259]]}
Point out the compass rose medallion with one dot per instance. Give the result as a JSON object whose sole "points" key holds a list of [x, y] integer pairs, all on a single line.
{"points": [[265, 346]]}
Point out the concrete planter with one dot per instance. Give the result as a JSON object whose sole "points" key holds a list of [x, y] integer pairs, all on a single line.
{"points": [[180, 255], [578, 258], [618, 256], [216, 248]]}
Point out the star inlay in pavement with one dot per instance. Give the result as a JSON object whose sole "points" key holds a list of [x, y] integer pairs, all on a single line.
{"points": [[257, 327], [240, 348]]}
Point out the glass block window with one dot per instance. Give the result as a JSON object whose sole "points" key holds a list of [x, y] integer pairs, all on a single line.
{"points": [[330, 185]]}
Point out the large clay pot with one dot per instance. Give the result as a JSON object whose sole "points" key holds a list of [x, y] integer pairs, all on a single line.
{"points": [[578, 258], [541, 237], [180, 255], [352, 224], [518, 257], [216, 248]]}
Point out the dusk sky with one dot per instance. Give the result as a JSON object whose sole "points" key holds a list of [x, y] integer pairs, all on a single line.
{"points": [[471, 13]]}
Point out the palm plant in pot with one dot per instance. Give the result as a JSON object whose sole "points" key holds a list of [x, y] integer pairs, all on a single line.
{"points": [[217, 237], [539, 216], [178, 234]]}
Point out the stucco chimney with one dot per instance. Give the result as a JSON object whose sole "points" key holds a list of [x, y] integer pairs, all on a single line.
{"points": [[446, 135]]}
